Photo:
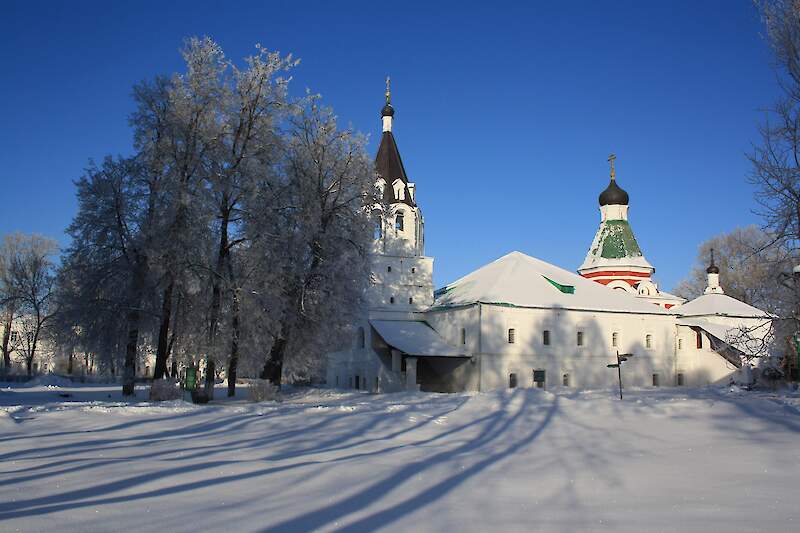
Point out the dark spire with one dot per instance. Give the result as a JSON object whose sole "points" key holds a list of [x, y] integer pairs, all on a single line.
{"points": [[388, 163], [712, 268], [614, 194]]}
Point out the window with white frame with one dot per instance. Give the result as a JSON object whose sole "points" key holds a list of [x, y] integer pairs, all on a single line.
{"points": [[615, 339], [512, 335], [648, 341], [579, 338]]}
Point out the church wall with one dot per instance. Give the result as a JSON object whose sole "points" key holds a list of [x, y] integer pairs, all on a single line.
{"points": [[401, 277], [703, 366], [448, 323], [586, 364]]}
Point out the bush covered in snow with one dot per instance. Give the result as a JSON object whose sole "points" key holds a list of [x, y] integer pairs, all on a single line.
{"points": [[163, 390], [262, 390]]}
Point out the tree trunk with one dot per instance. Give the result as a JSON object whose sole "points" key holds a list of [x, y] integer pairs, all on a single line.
{"points": [[134, 319], [29, 365], [7, 323], [273, 366], [129, 375], [163, 333], [216, 297], [233, 362], [70, 359]]}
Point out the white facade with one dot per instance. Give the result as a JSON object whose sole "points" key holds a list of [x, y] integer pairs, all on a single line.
{"points": [[521, 322]]}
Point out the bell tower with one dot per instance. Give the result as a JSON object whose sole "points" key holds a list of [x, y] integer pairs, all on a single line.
{"points": [[401, 273]]}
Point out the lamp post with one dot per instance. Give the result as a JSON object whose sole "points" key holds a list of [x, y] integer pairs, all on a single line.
{"points": [[621, 358]]}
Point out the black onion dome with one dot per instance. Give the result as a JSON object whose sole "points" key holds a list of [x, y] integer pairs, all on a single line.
{"points": [[712, 268], [387, 111], [613, 195]]}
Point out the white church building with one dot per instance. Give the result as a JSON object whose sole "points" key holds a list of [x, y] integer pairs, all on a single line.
{"points": [[522, 322]]}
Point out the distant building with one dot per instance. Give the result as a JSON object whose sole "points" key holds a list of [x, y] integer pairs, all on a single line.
{"points": [[522, 322]]}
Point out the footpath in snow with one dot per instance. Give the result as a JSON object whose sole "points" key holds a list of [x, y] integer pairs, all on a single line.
{"points": [[80, 458]]}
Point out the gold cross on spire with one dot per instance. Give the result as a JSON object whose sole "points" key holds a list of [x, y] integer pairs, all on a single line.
{"points": [[388, 90], [611, 159]]}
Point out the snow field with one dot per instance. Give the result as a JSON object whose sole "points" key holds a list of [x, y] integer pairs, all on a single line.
{"points": [[518, 460]]}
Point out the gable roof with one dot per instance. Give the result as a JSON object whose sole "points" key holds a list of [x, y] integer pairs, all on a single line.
{"points": [[389, 166], [415, 338], [517, 279], [720, 305]]}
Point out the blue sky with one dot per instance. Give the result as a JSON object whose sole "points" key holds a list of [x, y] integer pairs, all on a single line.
{"points": [[505, 113]]}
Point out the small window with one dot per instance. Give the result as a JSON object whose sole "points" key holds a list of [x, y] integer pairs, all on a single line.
{"points": [[377, 231], [565, 380], [680, 344], [398, 222], [463, 336], [655, 380], [615, 339], [413, 270], [360, 338], [146, 370], [391, 299], [699, 340], [512, 336], [579, 338], [388, 269], [377, 384], [337, 380], [546, 337], [357, 382], [679, 379], [648, 341], [538, 378], [512, 381], [410, 300]]}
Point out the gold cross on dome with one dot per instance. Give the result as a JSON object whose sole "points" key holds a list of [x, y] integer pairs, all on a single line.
{"points": [[611, 159], [388, 89]]}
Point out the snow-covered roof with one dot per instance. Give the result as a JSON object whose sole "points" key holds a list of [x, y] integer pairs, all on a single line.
{"points": [[614, 245], [749, 344], [718, 304], [521, 280], [414, 338]]}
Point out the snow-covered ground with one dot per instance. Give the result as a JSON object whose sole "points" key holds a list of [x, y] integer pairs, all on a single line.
{"points": [[521, 460]]}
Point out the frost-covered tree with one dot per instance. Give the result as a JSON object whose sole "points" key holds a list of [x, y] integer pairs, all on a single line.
{"points": [[326, 235], [107, 270], [776, 158], [751, 269], [27, 285], [237, 226]]}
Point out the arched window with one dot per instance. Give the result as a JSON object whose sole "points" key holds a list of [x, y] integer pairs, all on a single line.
{"points": [[391, 299], [648, 341], [377, 225], [699, 337], [615, 339], [410, 300], [680, 344], [360, 338], [512, 381], [463, 336], [398, 222], [579, 339], [565, 380], [512, 336]]}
